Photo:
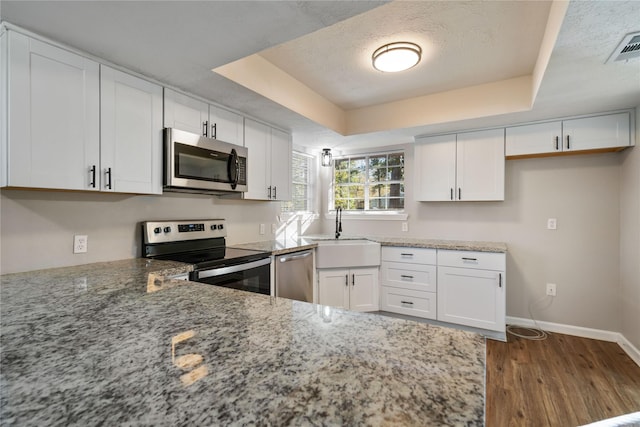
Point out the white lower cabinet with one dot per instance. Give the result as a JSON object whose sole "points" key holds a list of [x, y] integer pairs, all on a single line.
{"points": [[353, 289], [408, 281], [471, 289]]}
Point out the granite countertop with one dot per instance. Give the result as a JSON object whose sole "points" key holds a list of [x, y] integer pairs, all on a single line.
{"points": [[277, 247], [90, 345]]}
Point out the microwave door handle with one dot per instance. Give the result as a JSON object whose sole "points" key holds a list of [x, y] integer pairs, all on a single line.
{"points": [[234, 169]]}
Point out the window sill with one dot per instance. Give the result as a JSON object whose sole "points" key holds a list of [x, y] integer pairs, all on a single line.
{"points": [[377, 216]]}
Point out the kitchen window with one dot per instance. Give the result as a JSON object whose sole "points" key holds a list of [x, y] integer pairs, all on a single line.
{"points": [[369, 182], [301, 188]]}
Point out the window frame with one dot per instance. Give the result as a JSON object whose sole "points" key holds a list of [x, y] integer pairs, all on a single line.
{"points": [[309, 184], [368, 212]]}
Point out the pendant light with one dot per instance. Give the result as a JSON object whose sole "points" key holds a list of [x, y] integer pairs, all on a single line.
{"points": [[326, 157]]}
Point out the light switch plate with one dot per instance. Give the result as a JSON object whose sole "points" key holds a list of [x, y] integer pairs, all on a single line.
{"points": [[552, 224]]}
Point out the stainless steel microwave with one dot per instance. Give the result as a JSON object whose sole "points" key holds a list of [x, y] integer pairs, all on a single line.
{"points": [[196, 164]]}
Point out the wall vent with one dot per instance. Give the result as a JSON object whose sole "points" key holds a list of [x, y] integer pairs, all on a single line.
{"points": [[628, 48]]}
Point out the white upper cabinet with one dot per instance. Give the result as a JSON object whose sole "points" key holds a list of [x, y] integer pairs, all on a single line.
{"points": [[281, 149], [130, 133], [185, 113], [269, 162], [606, 132], [226, 125], [192, 115], [480, 165], [463, 167], [257, 136], [591, 133], [534, 139], [51, 118], [435, 168]]}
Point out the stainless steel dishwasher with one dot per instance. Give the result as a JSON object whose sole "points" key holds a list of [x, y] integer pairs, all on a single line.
{"points": [[294, 276]]}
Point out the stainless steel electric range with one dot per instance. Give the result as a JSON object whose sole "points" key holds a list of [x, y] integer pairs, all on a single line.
{"points": [[203, 244]]}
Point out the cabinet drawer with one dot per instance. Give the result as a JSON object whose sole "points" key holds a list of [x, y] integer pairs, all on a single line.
{"points": [[469, 259], [410, 255], [416, 277], [412, 303]]}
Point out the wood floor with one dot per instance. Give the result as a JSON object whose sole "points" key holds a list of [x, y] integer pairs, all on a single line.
{"points": [[561, 381]]}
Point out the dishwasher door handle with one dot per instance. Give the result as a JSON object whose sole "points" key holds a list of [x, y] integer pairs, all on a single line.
{"points": [[294, 257]]}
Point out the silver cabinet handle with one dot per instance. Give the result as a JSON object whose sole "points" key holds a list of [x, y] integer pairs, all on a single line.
{"points": [[500, 279], [403, 254], [353, 280], [404, 276], [459, 193], [451, 193], [406, 302], [346, 280], [470, 259], [214, 131], [557, 141], [568, 143], [269, 195], [275, 192], [205, 128]]}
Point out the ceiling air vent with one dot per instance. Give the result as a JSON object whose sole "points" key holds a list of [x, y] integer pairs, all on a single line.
{"points": [[628, 48]]}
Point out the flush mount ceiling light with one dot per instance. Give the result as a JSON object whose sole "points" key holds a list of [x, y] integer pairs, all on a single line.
{"points": [[398, 56], [326, 157]]}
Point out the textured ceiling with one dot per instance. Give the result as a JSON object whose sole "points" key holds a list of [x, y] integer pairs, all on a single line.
{"points": [[180, 42], [464, 44]]}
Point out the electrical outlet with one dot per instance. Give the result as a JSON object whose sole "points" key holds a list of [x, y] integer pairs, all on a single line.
{"points": [[262, 229], [552, 224], [80, 243], [405, 226], [551, 289]]}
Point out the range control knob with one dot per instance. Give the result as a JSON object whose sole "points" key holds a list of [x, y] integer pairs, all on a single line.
{"points": [[214, 227], [220, 226], [157, 230], [167, 229]]}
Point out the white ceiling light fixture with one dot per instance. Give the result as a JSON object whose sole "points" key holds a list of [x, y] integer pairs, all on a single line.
{"points": [[398, 56]]}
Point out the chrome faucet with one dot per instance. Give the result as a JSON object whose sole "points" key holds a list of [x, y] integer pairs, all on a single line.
{"points": [[338, 222]]}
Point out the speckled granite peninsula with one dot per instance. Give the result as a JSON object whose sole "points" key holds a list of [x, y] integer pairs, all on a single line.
{"points": [[89, 345]]}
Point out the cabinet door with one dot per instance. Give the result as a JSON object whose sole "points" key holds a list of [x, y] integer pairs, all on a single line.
{"points": [[257, 140], [596, 132], [364, 289], [435, 168], [537, 138], [54, 105], [280, 165], [226, 126], [185, 113], [480, 165], [333, 288], [131, 133], [472, 297]]}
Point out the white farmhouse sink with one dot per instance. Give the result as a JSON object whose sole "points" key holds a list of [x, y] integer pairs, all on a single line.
{"points": [[347, 253]]}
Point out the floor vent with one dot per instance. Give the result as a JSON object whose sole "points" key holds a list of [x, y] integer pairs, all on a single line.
{"points": [[628, 48]]}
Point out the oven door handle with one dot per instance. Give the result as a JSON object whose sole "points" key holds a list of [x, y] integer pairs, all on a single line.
{"points": [[232, 269]]}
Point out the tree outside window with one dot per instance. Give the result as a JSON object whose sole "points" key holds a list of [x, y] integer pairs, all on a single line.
{"points": [[373, 182]]}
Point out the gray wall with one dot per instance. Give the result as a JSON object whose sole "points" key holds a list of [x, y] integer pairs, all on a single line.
{"points": [[630, 241], [37, 227], [582, 256]]}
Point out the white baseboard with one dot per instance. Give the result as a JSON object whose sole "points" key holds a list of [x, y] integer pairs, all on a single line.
{"points": [[579, 331]]}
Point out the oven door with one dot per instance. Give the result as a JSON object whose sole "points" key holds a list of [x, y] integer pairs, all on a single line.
{"points": [[196, 162], [254, 276]]}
